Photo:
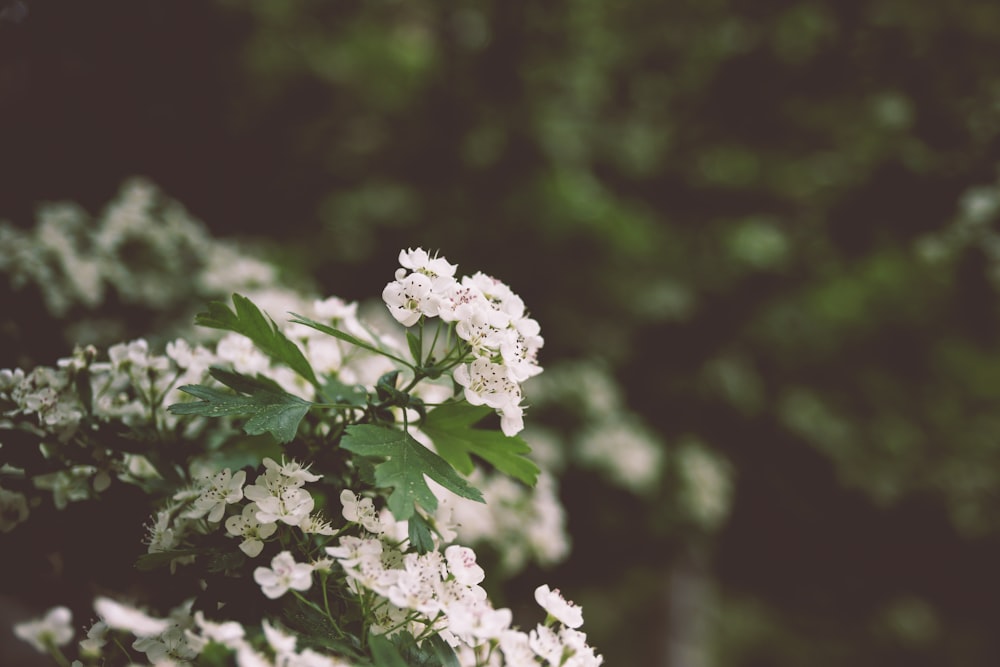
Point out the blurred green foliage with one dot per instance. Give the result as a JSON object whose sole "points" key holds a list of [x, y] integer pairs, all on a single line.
{"points": [[775, 221]]}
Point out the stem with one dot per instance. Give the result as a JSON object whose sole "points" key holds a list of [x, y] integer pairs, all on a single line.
{"points": [[326, 599], [309, 602], [437, 333], [57, 654]]}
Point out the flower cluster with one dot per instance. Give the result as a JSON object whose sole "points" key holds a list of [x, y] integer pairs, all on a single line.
{"points": [[75, 261], [245, 441], [502, 341], [440, 592]]}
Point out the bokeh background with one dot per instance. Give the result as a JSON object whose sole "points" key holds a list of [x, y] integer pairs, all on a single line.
{"points": [[773, 224]]}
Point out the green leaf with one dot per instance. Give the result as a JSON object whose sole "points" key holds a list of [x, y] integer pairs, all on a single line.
{"points": [[406, 462], [450, 427], [415, 345], [344, 336], [271, 409], [384, 653], [420, 534], [444, 652], [225, 561], [249, 321], [338, 392]]}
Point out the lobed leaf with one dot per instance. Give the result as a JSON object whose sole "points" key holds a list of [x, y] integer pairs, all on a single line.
{"points": [[270, 408], [419, 532], [406, 462], [450, 427]]}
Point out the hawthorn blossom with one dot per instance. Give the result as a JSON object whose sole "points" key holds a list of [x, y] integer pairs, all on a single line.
{"points": [[578, 653], [418, 584], [487, 383], [367, 562], [252, 531], [361, 510], [54, 629], [516, 650], [283, 574], [315, 524], [545, 642], [462, 565], [118, 616], [411, 298], [279, 496], [175, 645], [229, 633], [96, 639], [558, 607], [478, 621], [420, 261], [294, 472], [223, 488]]}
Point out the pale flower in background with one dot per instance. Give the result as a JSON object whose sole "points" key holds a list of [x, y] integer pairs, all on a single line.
{"points": [[118, 616], [705, 482], [54, 629], [13, 509], [623, 449]]}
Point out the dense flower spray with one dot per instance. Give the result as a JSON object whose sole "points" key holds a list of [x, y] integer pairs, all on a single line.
{"points": [[309, 474]]}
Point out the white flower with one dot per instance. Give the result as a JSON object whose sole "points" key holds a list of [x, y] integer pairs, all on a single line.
{"points": [[228, 633], [54, 629], [477, 619], [360, 510], [250, 529], [579, 653], [436, 268], [122, 617], [546, 644], [334, 308], [516, 650], [224, 488], [355, 550], [418, 584], [160, 535], [175, 646], [410, 299], [284, 573], [293, 471], [558, 607], [279, 497], [96, 638], [487, 383], [316, 525], [462, 565], [280, 642], [362, 560]]}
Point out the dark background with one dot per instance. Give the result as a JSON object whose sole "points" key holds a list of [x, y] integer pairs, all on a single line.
{"points": [[774, 220]]}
